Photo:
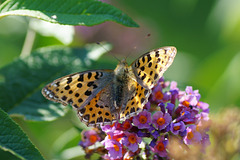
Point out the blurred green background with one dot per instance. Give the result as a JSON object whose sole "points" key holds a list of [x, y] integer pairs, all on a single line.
{"points": [[206, 34]]}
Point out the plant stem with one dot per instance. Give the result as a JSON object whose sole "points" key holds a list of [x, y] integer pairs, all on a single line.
{"points": [[29, 41]]}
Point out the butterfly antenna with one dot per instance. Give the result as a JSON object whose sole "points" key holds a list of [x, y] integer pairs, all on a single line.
{"points": [[134, 48], [107, 50]]}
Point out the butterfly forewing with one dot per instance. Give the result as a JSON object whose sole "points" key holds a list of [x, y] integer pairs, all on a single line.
{"points": [[78, 89], [147, 70], [151, 66]]}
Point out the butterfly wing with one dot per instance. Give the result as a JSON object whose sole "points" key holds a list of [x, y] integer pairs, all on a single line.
{"points": [[146, 71], [82, 91], [97, 111], [150, 67], [136, 99]]}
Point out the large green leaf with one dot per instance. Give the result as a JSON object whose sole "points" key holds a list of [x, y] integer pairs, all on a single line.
{"points": [[72, 12], [14, 140], [22, 80]]}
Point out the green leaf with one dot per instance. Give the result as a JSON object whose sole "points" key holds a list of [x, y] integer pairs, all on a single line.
{"points": [[14, 140], [23, 79], [72, 12]]}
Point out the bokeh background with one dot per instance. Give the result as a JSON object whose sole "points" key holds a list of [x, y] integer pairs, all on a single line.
{"points": [[206, 34]]}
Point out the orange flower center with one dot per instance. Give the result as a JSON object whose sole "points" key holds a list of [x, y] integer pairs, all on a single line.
{"points": [[190, 135], [158, 95], [109, 137], [132, 139], [176, 128], [126, 125], [142, 119], [93, 138], [116, 147], [160, 146], [160, 121], [183, 113], [185, 103]]}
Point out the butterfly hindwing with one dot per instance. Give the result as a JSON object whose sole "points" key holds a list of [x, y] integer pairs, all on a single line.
{"points": [[97, 111], [79, 88], [136, 101], [150, 67]]}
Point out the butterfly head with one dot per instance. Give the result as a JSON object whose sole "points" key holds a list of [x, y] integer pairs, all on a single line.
{"points": [[121, 68]]}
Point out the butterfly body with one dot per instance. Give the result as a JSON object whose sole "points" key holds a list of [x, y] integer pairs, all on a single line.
{"points": [[104, 96]]}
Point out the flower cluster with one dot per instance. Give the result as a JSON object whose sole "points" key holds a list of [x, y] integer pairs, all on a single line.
{"points": [[170, 113]]}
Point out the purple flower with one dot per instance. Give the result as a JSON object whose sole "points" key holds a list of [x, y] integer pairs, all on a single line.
{"points": [[162, 107], [205, 140], [203, 106], [131, 141], [147, 106], [170, 108], [203, 116], [157, 93], [160, 147], [173, 86], [143, 134], [89, 138], [142, 120], [177, 127], [174, 113], [184, 115], [190, 91], [114, 149], [108, 128], [190, 98], [193, 136], [126, 125], [161, 120]]}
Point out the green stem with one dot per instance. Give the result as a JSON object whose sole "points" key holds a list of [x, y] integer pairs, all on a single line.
{"points": [[28, 43]]}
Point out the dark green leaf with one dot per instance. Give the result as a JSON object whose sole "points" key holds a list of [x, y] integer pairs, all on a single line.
{"points": [[14, 140], [22, 80], [71, 12]]}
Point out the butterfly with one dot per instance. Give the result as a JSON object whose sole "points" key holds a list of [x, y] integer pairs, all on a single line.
{"points": [[102, 97]]}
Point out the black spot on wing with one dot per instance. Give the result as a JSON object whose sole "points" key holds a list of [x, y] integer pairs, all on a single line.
{"points": [[100, 119], [67, 87], [79, 85], [142, 100], [144, 76], [86, 117], [150, 64], [89, 75], [90, 84], [70, 101], [88, 93], [132, 110], [82, 111], [143, 59], [80, 78], [77, 95], [80, 100], [69, 80], [64, 98], [142, 68]]}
